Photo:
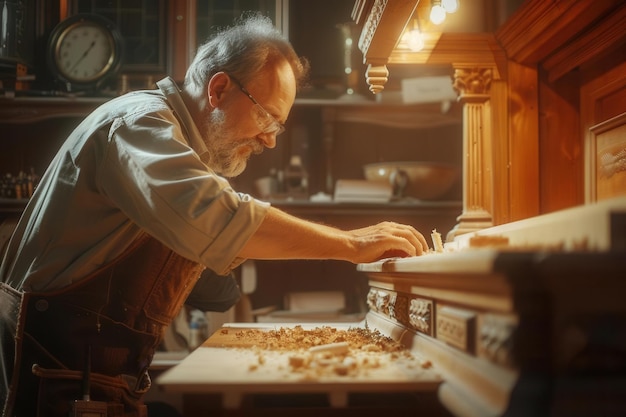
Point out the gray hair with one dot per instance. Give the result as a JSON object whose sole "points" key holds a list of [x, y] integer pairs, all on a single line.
{"points": [[243, 50]]}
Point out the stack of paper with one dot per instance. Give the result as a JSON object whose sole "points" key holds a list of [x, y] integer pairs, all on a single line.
{"points": [[362, 191]]}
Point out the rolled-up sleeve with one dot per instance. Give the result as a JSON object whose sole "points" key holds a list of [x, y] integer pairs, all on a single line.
{"points": [[160, 183]]}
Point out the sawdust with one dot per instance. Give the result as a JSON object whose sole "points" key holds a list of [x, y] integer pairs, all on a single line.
{"points": [[330, 352]]}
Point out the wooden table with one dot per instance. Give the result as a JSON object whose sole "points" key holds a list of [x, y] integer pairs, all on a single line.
{"points": [[233, 369]]}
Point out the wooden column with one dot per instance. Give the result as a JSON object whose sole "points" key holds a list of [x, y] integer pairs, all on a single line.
{"points": [[473, 85]]}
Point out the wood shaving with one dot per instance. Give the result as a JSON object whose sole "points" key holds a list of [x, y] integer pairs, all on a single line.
{"points": [[437, 242], [297, 338], [327, 352]]}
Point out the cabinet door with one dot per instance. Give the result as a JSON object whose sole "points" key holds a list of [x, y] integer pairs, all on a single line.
{"points": [[213, 14], [142, 24]]}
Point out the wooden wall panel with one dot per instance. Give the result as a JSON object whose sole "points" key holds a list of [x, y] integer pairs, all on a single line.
{"points": [[561, 147], [501, 152], [523, 141]]}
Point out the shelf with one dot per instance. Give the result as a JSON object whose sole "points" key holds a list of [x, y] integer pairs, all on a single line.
{"points": [[35, 109], [12, 205]]}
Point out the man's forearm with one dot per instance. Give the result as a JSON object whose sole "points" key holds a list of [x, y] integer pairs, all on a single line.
{"points": [[282, 236]]}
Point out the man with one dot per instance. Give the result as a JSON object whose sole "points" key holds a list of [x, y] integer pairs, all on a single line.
{"points": [[131, 210]]}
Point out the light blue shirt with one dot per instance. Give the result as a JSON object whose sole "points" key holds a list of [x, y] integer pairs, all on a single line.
{"points": [[132, 166]]}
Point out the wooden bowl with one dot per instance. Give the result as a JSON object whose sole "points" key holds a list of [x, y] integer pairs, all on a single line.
{"points": [[418, 179]]}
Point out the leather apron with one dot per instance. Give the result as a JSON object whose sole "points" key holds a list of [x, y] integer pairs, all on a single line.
{"points": [[118, 314]]}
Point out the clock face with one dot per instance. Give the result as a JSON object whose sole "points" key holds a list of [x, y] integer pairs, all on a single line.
{"points": [[84, 51]]}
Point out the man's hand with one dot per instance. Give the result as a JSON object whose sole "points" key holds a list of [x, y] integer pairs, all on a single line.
{"points": [[387, 240]]}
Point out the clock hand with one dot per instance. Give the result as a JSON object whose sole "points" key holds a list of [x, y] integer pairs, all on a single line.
{"points": [[93, 43]]}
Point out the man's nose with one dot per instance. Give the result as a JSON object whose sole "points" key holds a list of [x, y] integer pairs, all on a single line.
{"points": [[268, 139]]}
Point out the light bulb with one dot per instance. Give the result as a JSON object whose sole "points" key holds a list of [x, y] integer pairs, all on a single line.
{"points": [[415, 40], [437, 14], [450, 6]]}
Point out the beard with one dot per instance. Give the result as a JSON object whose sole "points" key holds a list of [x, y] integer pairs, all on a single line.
{"points": [[227, 156]]}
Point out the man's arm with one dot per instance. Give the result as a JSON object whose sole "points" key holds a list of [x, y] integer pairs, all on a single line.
{"points": [[282, 236]]}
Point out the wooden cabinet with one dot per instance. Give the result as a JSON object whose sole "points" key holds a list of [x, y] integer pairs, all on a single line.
{"points": [[531, 90]]}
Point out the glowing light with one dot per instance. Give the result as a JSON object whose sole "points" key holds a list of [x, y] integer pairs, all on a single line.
{"points": [[450, 6], [437, 14], [415, 40]]}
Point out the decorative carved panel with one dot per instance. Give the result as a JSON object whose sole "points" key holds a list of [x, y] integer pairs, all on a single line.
{"points": [[421, 315], [456, 327], [415, 313], [495, 338]]}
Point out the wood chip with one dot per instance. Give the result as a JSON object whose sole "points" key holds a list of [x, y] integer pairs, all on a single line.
{"points": [[331, 348]]}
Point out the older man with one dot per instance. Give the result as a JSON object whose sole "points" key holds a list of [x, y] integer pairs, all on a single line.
{"points": [[131, 210]]}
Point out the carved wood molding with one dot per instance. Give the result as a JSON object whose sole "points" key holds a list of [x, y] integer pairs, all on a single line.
{"points": [[456, 327], [421, 315], [495, 335], [414, 312], [543, 28], [473, 84], [601, 38], [489, 336]]}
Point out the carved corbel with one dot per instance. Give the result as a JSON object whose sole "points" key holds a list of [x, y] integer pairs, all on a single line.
{"points": [[377, 76]]}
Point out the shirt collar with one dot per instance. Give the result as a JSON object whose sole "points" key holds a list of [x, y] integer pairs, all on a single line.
{"points": [[172, 93]]}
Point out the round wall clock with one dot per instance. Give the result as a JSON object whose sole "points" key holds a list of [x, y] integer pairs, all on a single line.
{"points": [[84, 51]]}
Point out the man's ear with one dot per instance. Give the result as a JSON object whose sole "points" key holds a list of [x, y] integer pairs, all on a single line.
{"points": [[217, 88]]}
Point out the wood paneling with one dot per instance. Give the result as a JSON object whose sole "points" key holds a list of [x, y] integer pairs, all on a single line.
{"points": [[560, 146], [523, 147], [551, 80], [539, 28]]}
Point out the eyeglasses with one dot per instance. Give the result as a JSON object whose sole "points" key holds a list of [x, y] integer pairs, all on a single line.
{"points": [[265, 121]]}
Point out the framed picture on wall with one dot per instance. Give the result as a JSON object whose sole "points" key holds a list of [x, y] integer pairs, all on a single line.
{"points": [[606, 160]]}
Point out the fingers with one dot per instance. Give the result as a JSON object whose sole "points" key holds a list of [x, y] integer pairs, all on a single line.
{"points": [[415, 238], [389, 240], [422, 241]]}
